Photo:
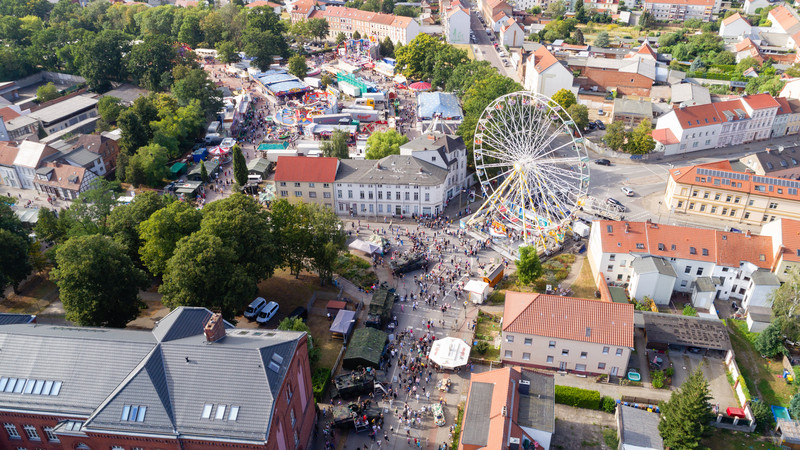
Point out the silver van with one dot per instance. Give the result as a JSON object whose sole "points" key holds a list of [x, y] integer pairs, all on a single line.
{"points": [[255, 307], [267, 313]]}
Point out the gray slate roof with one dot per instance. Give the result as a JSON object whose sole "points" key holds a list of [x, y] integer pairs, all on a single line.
{"points": [[763, 277], [393, 169], [173, 371], [650, 264], [705, 284], [477, 415], [639, 428]]}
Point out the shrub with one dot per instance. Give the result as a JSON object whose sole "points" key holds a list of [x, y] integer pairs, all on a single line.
{"points": [[670, 371], [610, 437], [580, 398], [481, 347], [744, 388], [319, 382], [657, 378], [457, 428], [608, 404], [497, 297]]}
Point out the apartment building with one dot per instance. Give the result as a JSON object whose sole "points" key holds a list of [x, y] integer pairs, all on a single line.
{"points": [[399, 29], [668, 11], [159, 389], [306, 179], [544, 74], [566, 333], [654, 260], [456, 22], [733, 122], [787, 118], [778, 163], [717, 191]]}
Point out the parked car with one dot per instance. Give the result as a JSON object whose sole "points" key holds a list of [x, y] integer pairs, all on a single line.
{"points": [[628, 191], [600, 124], [267, 313], [734, 306], [600, 112], [255, 307], [614, 203], [591, 126], [602, 162], [299, 312]]}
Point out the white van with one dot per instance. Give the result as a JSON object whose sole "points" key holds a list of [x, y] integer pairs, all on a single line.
{"points": [[255, 307], [254, 178], [267, 313]]}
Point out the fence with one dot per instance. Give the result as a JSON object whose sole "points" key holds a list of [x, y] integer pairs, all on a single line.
{"points": [[733, 368]]}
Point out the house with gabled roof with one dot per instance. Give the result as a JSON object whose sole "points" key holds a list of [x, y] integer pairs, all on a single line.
{"points": [[566, 333], [735, 26], [636, 254], [193, 382], [544, 74]]}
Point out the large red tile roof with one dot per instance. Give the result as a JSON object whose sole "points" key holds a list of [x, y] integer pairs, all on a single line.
{"points": [[696, 244], [8, 153], [733, 18], [784, 17], [789, 240], [698, 116], [761, 101], [258, 3], [306, 169], [746, 185], [8, 113], [665, 136], [576, 319], [784, 106]]}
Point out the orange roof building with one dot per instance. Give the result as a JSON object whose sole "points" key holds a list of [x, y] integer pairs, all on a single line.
{"points": [[566, 333], [508, 406], [306, 179]]}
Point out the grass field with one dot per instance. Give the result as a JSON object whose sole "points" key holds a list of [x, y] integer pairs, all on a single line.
{"points": [[584, 286], [733, 440], [760, 373]]}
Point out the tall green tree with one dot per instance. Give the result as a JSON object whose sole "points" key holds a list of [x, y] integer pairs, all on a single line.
{"points": [[49, 228], [615, 135], [557, 9], [318, 28], [387, 47], [239, 166], [770, 341], [336, 146], [685, 417], [161, 232], [150, 62], [124, 220], [196, 85], [564, 98], [298, 66], [785, 301], [794, 405], [14, 252], [47, 92], [204, 272], [110, 108], [580, 12], [227, 53], [101, 58], [602, 39], [384, 143], [641, 139], [580, 114], [204, 172], [89, 212], [529, 267], [97, 281], [148, 166]]}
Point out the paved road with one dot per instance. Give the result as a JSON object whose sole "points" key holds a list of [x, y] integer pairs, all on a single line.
{"points": [[484, 50]]}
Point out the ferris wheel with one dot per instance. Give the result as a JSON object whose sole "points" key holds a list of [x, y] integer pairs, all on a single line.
{"points": [[533, 168]]}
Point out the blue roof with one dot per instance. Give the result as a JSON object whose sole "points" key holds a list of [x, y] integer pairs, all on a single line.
{"points": [[438, 103], [276, 78]]}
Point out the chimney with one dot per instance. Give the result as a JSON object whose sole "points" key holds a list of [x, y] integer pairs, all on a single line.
{"points": [[215, 328], [747, 233], [627, 227]]}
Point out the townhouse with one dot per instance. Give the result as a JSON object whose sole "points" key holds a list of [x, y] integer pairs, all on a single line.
{"points": [[654, 260], [544, 74], [716, 191], [158, 389], [787, 119], [306, 179], [670, 10], [340, 19], [733, 122], [456, 23], [566, 333]]}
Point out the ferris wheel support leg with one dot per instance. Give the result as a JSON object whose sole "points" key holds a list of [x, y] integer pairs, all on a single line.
{"points": [[490, 202]]}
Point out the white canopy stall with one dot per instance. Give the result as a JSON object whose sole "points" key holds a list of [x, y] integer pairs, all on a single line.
{"points": [[449, 352], [477, 290]]}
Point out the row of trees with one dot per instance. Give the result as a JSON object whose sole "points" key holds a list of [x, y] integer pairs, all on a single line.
{"points": [[213, 258], [114, 42]]}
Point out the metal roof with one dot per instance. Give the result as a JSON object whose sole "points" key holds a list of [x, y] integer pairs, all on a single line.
{"points": [[173, 372], [62, 109], [475, 430], [649, 264], [639, 428], [537, 408]]}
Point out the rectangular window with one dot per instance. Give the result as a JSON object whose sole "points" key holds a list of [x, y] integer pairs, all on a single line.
{"points": [[688, 269], [509, 354], [397, 195], [51, 437], [220, 412], [339, 194], [349, 194], [297, 185], [605, 350], [361, 195], [619, 352], [601, 366], [326, 195], [206, 411], [550, 359], [291, 414], [408, 196], [683, 283], [699, 271], [580, 367], [564, 352], [510, 338], [552, 344], [312, 195], [11, 429], [584, 355], [33, 435], [528, 341], [298, 193], [526, 356], [310, 185]]}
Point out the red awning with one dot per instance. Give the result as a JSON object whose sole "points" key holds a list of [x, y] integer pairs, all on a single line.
{"points": [[735, 412]]}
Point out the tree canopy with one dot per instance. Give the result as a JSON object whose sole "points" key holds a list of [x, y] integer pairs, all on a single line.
{"points": [[529, 267], [384, 143], [336, 146], [685, 417], [97, 281]]}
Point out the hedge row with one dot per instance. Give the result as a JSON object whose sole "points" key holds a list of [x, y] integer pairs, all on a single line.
{"points": [[319, 382], [581, 398]]}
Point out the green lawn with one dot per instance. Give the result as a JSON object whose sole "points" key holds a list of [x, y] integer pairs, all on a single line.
{"points": [[761, 374], [733, 440], [487, 330]]}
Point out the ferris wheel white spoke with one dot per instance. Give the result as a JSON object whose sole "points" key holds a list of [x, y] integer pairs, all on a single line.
{"points": [[532, 151]]}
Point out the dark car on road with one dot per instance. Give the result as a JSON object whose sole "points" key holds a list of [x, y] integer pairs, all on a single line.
{"points": [[602, 162], [600, 124]]}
